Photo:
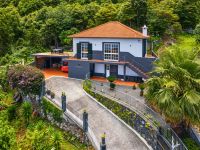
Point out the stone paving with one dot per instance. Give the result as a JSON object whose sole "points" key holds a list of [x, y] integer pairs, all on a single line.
{"points": [[118, 136]]}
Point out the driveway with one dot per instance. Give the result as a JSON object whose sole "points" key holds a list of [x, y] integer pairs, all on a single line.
{"points": [[118, 136]]}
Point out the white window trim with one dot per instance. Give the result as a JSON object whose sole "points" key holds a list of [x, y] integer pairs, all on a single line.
{"points": [[84, 52], [111, 53]]}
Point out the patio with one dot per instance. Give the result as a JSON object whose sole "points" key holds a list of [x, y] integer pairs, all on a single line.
{"points": [[53, 72], [117, 82]]}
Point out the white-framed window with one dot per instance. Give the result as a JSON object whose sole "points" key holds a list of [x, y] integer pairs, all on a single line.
{"points": [[84, 50], [111, 51]]}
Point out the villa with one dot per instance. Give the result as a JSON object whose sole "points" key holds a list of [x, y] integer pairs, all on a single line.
{"points": [[108, 49]]}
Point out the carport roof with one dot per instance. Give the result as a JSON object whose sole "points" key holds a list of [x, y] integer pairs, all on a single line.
{"points": [[49, 54]]}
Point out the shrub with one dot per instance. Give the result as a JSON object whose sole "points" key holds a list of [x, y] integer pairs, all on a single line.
{"points": [[26, 79], [12, 112], [111, 78], [48, 92], [141, 86], [52, 95], [7, 136], [26, 111]]}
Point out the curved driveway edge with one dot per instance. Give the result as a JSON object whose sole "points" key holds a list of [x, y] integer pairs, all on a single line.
{"points": [[118, 136]]}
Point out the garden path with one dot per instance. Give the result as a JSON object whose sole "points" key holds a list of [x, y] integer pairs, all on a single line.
{"points": [[118, 136]]}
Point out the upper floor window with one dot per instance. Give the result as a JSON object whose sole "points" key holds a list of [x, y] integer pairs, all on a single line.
{"points": [[111, 51], [84, 50]]}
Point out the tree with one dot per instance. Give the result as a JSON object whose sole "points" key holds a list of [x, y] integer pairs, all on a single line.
{"points": [[188, 13], [26, 7], [9, 28], [64, 36], [108, 12], [126, 13], [175, 90], [162, 20]]}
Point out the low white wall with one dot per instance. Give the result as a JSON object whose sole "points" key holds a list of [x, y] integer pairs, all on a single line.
{"points": [[130, 72], [120, 69], [99, 68]]}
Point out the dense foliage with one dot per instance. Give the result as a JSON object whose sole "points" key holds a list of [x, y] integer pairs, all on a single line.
{"points": [[21, 130], [175, 90], [26, 79], [33, 26]]}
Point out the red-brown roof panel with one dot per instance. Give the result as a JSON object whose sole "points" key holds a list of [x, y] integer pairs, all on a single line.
{"points": [[113, 29]]}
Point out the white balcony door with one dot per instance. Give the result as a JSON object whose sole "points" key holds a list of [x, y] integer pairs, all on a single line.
{"points": [[107, 70]]}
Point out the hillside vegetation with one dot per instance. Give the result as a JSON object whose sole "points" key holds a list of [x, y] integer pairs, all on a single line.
{"points": [[33, 26]]}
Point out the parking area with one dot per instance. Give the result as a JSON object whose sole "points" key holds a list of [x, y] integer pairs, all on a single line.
{"points": [[54, 72]]}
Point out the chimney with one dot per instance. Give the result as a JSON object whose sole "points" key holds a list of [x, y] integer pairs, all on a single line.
{"points": [[144, 30]]}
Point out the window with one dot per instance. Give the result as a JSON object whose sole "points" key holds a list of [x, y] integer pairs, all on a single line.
{"points": [[84, 50], [111, 51]]}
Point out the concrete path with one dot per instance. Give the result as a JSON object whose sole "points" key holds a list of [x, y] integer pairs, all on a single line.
{"points": [[118, 136]]}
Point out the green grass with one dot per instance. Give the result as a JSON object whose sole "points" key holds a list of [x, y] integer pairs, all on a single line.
{"points": [[186, 42]]}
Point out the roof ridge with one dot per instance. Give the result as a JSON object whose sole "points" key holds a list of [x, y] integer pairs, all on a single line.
{"points": [[131, 29], [93, 28]]}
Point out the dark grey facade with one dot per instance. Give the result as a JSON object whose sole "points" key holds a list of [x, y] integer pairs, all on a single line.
{"points": [[78, 69]]}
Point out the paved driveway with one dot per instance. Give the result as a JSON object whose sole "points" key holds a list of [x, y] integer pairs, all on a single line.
{"points": [[118, 136]]}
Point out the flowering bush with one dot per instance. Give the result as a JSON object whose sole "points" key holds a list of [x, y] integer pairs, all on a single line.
{"points": [[26, 79]]}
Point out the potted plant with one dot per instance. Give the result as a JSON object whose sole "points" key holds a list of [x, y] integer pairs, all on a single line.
{"points": [[52, 95], [112, 85], [111, 79], [134, 87], [48, 92], [141, 86]]}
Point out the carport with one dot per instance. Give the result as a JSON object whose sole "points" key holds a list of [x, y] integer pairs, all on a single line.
{"points": [[50, 60]]}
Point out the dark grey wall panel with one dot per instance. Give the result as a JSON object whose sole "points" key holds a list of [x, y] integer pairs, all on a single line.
{"points": [[98, 55], [78, 69]]}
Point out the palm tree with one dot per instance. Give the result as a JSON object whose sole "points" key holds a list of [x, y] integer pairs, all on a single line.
{"points": [[174, 88]]}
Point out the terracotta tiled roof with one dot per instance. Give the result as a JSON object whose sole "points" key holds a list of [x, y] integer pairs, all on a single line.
{"points": [[113, 29]]}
